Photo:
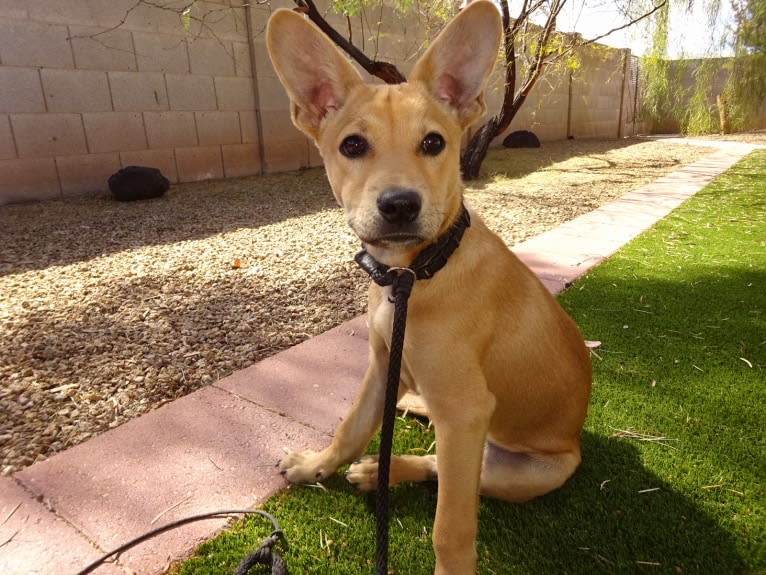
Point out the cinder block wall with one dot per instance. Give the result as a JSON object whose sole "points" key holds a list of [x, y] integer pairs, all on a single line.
{"points": [[90, 86], [581, 103], [598, 86]]}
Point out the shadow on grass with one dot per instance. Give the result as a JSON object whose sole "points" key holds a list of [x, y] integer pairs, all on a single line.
{"points": [[613, 516], [683, 359]]}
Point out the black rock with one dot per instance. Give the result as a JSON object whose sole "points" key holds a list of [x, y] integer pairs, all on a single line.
{"points": [[521, 139], [137, 183]]}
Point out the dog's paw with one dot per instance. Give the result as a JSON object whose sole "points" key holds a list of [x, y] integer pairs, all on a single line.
{"points": [[363, 473], [303, 467]]}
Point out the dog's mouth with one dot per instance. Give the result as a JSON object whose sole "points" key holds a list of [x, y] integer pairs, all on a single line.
{"points": [[395, 240], [396, 236]]}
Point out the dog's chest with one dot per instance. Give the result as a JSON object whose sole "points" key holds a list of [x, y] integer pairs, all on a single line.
{"points": [[381, 321], [381, 318]]}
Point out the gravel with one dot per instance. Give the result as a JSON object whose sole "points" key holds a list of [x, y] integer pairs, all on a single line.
{"points": [[109, 309]]}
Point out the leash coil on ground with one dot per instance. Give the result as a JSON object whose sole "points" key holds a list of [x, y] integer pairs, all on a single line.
{"points": [[264, 555]]}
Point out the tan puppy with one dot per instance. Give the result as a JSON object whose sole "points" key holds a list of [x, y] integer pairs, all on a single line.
{"points": [[503, 371]]}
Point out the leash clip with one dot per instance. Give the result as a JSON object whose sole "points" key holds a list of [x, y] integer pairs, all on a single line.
{"points": [[396, 287], [399, 271]]}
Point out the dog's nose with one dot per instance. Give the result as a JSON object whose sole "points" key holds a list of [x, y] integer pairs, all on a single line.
{"points": [[399, 205]]}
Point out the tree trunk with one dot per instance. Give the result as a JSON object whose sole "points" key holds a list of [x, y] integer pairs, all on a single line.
{"points": [[476, 151]]}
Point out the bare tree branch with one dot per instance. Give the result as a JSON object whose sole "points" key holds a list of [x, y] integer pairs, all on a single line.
{"points": [[384, 70], [204, 24], [110, 28], [626, 25]]}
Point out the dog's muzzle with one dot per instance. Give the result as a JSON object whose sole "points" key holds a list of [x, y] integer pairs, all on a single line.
{"points": [[398, 209]]}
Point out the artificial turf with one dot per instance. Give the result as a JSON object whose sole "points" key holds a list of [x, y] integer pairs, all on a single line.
{"points": [[674, 447]]}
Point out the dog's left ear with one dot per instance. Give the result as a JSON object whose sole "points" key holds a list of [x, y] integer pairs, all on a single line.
{"points": [[457, 65]]}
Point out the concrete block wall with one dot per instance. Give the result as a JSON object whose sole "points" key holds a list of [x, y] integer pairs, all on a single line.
{"points": [[89, 86], [582, 103], [546, 108], [597, 92]]}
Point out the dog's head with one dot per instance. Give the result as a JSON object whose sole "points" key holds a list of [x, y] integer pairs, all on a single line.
{"points": [[391, 151]]}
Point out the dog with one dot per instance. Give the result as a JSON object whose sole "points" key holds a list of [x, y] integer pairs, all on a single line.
{"points": [[502, 370]]}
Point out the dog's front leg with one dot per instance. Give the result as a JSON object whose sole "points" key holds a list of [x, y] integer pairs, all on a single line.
{"points": [[460, 438], [354, 432]]}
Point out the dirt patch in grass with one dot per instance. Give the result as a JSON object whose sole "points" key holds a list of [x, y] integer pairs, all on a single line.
{"points": [[110, 310]]}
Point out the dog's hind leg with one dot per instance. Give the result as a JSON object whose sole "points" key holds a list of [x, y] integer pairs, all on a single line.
{"points": [[515, 476]]}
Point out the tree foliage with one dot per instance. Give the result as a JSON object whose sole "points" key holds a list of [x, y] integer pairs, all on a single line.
{"points": [[746, 88], [750, 16], [655, 73], [690, 94]]}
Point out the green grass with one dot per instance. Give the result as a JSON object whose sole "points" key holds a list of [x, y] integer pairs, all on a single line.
{"points": [[680, 314]]}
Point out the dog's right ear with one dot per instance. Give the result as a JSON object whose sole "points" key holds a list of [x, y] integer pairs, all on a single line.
{"points": [[314, 72]]}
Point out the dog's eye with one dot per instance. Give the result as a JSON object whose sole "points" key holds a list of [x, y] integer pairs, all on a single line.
{"points": [[354, 146], [432, 144]]}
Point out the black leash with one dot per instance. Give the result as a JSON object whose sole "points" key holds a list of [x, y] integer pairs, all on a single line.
{"points": [[264, 555], [401, 280], [402, 287]]}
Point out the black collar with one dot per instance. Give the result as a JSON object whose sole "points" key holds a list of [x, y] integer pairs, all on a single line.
{"points": [[427, 263]]}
